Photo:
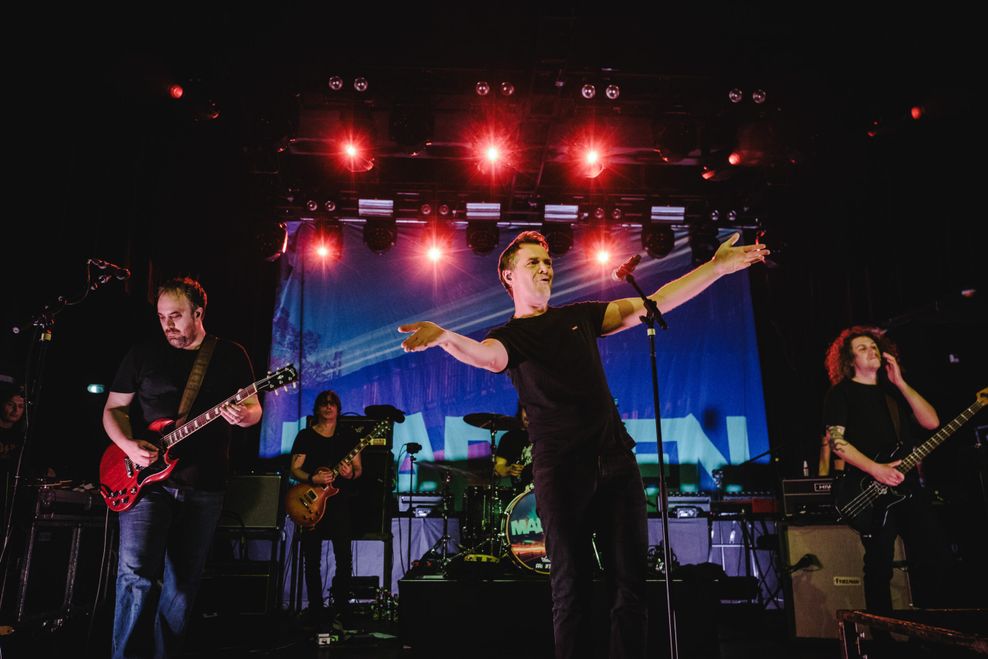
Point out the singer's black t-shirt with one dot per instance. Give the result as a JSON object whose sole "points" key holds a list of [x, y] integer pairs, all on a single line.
{"points": [[555, 365]]}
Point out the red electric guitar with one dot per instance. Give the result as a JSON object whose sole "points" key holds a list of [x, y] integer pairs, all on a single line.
{"points": [[121, 480]]}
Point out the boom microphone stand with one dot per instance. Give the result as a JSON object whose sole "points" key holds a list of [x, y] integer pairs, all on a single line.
{"points": [[651, 317]]}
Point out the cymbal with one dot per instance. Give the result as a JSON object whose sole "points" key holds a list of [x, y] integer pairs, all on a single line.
{"points": [[490, 421], [477, 475]]}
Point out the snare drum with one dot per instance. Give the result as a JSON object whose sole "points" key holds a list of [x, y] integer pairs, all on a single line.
{"points": [[523, 533], [478, 521]]}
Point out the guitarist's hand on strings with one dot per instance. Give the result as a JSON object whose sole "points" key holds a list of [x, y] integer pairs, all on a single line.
{"points": [[323, 476], [141, 452], [887, 474], [346, 470]]}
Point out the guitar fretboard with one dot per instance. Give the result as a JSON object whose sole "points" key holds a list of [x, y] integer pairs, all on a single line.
{"points": [[927, 447], [207, 417]]}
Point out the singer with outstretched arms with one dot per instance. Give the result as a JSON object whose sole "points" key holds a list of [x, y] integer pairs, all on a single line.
{"points": [[586, 478]]}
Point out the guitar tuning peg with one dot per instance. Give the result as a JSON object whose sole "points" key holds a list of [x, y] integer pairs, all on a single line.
{"points": [[277, 392]]}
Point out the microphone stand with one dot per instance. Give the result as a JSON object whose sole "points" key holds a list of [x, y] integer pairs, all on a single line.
{"points": [[44, 324], [652, 317]]}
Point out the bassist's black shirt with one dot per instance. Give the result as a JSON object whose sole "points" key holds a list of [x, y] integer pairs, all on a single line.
{"points": [[863, 411]]}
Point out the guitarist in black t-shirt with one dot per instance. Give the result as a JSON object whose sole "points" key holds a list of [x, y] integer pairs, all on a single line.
{"points": [[317, 450], [869, 413]]}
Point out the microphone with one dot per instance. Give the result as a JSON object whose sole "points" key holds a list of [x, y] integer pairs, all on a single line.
{"points": [[626, 268], [413, 447], [113, 270]]}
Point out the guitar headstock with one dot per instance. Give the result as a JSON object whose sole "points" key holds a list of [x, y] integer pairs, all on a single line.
{"points": [[983, 396], [283, 376]]}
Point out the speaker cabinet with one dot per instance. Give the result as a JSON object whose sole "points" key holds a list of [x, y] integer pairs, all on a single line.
{"points": [[253, 502], [371, 503], [60, 568], [817, 594]]}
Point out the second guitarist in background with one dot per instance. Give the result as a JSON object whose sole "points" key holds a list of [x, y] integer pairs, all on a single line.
{"points": [[316, 451], [868, 412]]}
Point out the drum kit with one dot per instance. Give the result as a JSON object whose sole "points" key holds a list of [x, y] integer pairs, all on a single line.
{"points": [[497, 522]]}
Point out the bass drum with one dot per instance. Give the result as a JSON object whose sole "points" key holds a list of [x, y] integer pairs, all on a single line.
{"points": [[523, 533]]}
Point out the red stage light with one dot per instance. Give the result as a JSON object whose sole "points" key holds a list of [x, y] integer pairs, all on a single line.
{"points": [[735, 158], [603, 256], [176, 91], [916, 112], [434, 253], [493, 154], [591, 157], [351, 150]]}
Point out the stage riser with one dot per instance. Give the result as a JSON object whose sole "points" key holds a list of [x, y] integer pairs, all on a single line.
{"points": [[504, 618]]}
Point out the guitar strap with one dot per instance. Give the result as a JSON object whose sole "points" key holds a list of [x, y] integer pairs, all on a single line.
{"points": [[195, 378], [896, 421]]}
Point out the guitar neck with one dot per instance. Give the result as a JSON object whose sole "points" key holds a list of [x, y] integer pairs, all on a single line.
{"points": [[920, 452], [348, 458], [204, 419]]}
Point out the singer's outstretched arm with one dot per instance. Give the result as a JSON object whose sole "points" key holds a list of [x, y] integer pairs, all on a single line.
{"points": [[622, 314]]}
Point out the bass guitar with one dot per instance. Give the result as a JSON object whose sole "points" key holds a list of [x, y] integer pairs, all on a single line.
{"points": [[121, 480], [864, 503]]}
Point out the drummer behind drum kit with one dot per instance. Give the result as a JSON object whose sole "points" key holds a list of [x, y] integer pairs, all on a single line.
{"points": [[497, 522]]}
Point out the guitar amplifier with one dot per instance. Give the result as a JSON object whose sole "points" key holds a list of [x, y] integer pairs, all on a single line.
{"points": [[253, 501], [809, 500]]}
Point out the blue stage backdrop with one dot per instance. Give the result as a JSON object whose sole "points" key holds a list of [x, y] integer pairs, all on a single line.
{"points": [[337, 321]]}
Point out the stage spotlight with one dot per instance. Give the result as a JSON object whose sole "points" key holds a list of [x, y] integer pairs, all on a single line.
{"points": [[588, 91], [438, 239], [482, 236], [312, 205], [329, 205], [176, 91], [735, 158], [507, 88], [916, 112], [482, 88], [493, 154], [444, 210], [559, 235], [360, 84], [758, 96], [380, 235], [602, 256], [616, 214], [658, 240], [736, 95], [355, 159], [329, 241], [591, 163], [335, 83], [598, 213], [425, 210], [612, 92]]}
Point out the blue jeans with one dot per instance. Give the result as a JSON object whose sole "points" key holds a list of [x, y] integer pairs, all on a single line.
{"points": [[164, 542], [603, 495]]}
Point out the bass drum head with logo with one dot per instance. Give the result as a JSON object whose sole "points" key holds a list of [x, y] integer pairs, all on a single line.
{"points": [[523, 533]]}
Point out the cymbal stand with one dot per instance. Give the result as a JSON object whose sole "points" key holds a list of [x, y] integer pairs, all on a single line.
{"points": [[440, 550]]}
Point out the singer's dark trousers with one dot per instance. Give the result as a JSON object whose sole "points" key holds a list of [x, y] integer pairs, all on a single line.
{"points": [[600, 494]]}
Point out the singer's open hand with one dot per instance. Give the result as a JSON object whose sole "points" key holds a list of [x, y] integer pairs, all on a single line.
{"points": [[424, 335], [729, 258]]}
